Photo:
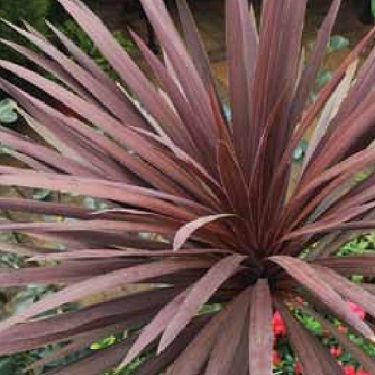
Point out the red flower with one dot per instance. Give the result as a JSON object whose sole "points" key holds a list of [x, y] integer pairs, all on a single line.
{"points": [[278, 324], [336, 352], [276, 358], [342, 329], [357, 309], [298, 369], [362, 372], [349, 370]]}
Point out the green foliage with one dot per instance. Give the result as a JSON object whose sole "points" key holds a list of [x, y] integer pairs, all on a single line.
{"points": [[324, 77], [32, 11], [103, 343], [35, 12], [16, 364], [8, 114], [8, 366], [15, 11], [337, 43], [358, 245], [299, 152]]}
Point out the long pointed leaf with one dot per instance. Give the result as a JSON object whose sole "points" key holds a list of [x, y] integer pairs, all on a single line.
{"points": [[200, 293]]}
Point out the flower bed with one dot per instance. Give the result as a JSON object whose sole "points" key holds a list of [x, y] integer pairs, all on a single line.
{"points": [[286, 364]]}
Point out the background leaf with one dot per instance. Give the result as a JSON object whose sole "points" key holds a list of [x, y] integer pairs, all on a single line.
{"points": [[337, 43], [8, 112]]}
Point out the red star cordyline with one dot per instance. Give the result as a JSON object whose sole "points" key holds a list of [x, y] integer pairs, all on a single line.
{"points": [[199, 207]]}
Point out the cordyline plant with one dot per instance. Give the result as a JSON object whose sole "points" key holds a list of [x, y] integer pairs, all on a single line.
{"points": [[201, 209]]}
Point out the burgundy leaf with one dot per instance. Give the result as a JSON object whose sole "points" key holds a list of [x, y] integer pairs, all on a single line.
{"points": [[155, 328], [101, 283], [349, 290], [188, 229], [242, 42], [196, 353], [98, 361], [200, 294], [222, 356], [260, 329]]}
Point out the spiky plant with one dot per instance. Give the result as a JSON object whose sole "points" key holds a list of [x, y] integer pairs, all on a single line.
{"points": [[202, 212]]}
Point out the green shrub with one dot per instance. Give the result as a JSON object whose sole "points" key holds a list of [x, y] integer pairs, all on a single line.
{"points": [[33, 11]]}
